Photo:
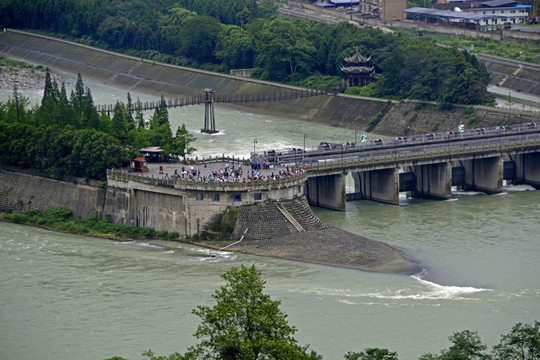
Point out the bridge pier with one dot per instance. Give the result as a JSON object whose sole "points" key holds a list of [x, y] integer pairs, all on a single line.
{"points": [[380, 185], [484, 175], [433, 181], [527, 169], [327, 191]]}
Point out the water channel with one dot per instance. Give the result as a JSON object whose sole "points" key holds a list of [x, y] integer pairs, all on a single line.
{"points": [[64, 296]]}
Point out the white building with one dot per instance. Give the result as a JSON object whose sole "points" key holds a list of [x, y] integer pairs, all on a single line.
{"points": [[502, 12]]}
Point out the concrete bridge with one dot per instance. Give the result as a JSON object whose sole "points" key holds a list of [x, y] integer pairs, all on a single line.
{"points": [[426, 165]]}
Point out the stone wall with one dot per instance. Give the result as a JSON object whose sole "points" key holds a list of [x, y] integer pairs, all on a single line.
{"points": [[186, 207], [160, 206], [22, 192]]}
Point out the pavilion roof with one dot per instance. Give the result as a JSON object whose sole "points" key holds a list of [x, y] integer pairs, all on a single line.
{"points": [[357, 58], [357, 69]]}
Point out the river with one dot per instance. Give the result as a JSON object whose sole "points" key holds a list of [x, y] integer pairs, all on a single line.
{"points": [[64, 296]]}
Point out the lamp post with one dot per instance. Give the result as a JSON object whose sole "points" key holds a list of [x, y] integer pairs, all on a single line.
{"points": [[304, 153], [355, 133], [254, 143], [185, 148]]}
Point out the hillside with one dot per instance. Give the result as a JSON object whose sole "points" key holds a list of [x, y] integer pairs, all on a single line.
{"points": [[136, 74]]}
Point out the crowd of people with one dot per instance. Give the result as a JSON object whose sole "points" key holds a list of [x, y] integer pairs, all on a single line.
{"points": [[235, 173]]}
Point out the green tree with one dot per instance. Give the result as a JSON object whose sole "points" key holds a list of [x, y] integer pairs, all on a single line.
{"points": [[199, 38], [16, 106], [181, 142], [50, 99], [466, 345], [245, 323], [372, 354], [521, 343], [160, 133], [283, 49], [120, 125], [236, 48]]}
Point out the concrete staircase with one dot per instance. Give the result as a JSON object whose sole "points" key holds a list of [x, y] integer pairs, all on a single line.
{"points": [[300, 210], [289, 217], [272, 219]]}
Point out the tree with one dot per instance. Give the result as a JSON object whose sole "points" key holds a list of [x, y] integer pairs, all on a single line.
{"points": [[466, 345], [119, 124], [160, 133], [521, 343], [181, 142], [283, 49], [199, 38], [245, 323], [372, 354], [16, 106], [235, 48]]}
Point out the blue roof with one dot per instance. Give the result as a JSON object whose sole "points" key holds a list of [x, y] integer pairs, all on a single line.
{"points": [[345, 2], [499, 3]]}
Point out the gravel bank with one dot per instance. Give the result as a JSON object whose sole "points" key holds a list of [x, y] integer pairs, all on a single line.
{"points": [[24, 78], [332, 246]]}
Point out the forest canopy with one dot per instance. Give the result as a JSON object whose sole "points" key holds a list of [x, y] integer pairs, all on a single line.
{"points": [[66, 137], [221, 35]]}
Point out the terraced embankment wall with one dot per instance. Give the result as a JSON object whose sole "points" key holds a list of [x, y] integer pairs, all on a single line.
{"points": [[140, 75]]}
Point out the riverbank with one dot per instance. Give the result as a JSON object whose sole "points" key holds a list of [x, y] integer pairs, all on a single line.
{"points": [[330, 246], [24, 76]]}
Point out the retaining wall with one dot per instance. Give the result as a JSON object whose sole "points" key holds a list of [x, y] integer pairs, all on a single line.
{"points": [[23, 192], [188, 209]]}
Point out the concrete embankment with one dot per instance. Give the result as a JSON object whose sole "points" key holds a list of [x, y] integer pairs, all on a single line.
{"points": [[140, 75], [270, 233]]}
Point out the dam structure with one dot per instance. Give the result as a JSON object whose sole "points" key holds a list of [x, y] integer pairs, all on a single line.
{"points": [[275, 201], [427, 165]]}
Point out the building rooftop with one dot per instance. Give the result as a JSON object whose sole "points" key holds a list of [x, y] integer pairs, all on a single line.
{"points": [[499, 3], [345, 2], [447, 13]]}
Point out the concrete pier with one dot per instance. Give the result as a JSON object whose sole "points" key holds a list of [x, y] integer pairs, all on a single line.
{"points": [[380, 185], [327, 191], [484, 174], [527, 169], [433, 181]]}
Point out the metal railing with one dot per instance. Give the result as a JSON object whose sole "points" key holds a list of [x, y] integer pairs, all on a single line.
{"points": [[184, 184], [424, 146]]}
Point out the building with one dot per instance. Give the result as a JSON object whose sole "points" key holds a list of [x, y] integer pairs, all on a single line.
{"points": [[502, 12], [490, 13], [384, 9], [357, 71]]}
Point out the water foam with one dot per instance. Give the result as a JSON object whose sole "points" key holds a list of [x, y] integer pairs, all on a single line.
{"points": [[437, 291]]}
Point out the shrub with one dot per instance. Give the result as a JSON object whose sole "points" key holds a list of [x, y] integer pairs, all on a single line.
{"points": [[375, 119]]}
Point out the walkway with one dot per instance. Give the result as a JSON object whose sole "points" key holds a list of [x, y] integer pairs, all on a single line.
{"points": [[235, 170]]}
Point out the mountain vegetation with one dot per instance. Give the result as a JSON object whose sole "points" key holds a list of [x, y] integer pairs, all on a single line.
{"points": [[222, 35], [66, 137]]}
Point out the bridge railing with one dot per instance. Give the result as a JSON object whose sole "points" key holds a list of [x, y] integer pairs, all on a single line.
{"points": [[299, 155], [434, 152], [223, 98], [184, 184]]}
